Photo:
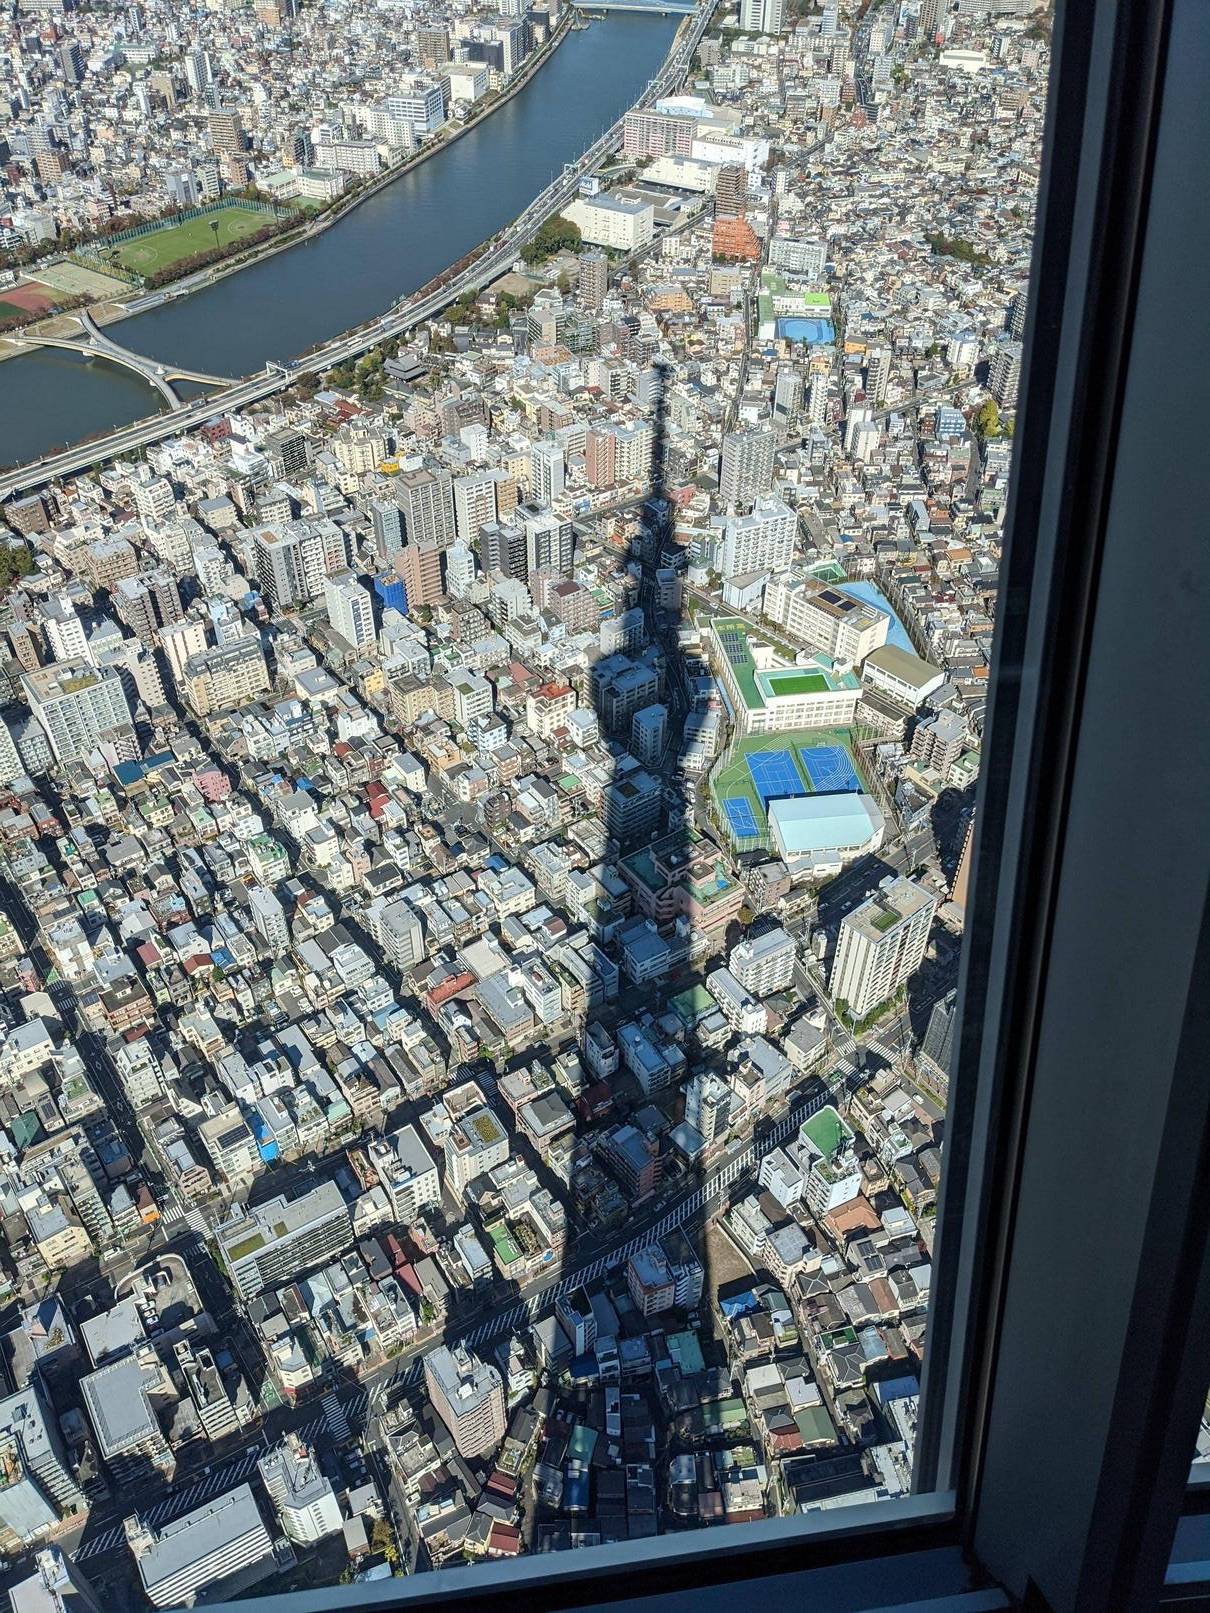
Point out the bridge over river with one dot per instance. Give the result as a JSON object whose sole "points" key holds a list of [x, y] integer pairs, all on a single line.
{"points": [[94, 343]]}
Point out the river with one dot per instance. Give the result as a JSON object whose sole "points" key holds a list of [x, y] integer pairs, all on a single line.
{"points": [[382, 250]]}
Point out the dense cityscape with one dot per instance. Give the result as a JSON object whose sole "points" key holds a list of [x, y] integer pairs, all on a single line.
{"points": [[485, 826]]}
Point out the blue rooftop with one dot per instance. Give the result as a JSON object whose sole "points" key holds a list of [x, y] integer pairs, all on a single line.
{"points": [[870, 595], [817, 332]]}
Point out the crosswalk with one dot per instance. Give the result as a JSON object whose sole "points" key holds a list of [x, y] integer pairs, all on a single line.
{"points": [[336, 1418]]}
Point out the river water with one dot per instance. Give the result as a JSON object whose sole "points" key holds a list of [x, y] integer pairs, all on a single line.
{"points": [[384, 249]]}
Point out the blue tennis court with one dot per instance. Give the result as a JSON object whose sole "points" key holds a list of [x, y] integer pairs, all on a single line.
{"points": [[830, 769], [774, 775], [740, 816]]}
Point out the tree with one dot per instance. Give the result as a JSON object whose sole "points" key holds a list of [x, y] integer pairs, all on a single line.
{"points": [[382, 1540], [557, 234], [16, 560], [987, 421]]}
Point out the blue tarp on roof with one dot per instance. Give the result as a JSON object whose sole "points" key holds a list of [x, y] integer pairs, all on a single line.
{"points": [[739, 1305]]}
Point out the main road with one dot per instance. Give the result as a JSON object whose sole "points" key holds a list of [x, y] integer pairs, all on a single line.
{"points": [[343, 1409], [496, 256]]}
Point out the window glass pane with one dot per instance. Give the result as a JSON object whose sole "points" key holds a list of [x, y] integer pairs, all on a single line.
{"points": [[488, 812]]}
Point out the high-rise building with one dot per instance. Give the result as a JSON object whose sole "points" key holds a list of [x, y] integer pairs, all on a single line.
{"points": [[78, 707], [387, 520], [426, 498], [433, 45], [594, 279], [283, 1237], [1004, 373], [546, 471], [881, 945], [36, 1485], [227, 135], [938, 1046], [302, 1494], [71, 61], [350, 608], [798, 256], [787, 395], [549, 541], [55, 1586], [503, 550], [229, 674], [878, 373], [832, 1176], [293, 562], [63, 630], [747, 466], [180, 642], [817, 400], [762, 540], [762, 16], [474, 504], [960, 892], [197, 70], [731, 190], [214, 1543], [148, 602], [269, 917], [649, 733], [474, 1144], [420, 567], [648, 132], [407, 1172], [460, 570], [468, 1396], [763, 963]]}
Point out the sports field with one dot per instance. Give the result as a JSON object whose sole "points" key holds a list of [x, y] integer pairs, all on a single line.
{"points": [[25, 300], [160, 249], [766, 767]]}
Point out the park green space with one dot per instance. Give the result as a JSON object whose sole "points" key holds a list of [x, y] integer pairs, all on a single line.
{"points": [[160, 249]]}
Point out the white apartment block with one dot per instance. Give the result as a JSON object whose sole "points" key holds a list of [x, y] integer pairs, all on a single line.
{"points": [[763, 963], [881, 945]]}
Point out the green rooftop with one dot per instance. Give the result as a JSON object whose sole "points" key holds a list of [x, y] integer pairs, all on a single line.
{"points": [[788, 683], [503, 1242], [826, 1130]]}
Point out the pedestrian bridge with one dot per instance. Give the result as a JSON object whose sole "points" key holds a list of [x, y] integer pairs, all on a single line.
{"points": [[660, 8], [94, 343]]}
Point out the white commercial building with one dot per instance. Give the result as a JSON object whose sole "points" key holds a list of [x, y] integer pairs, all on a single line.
{"points": [[613, 221], [826, 619], [350, 608], [305, 1500], [214, 1543]]}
